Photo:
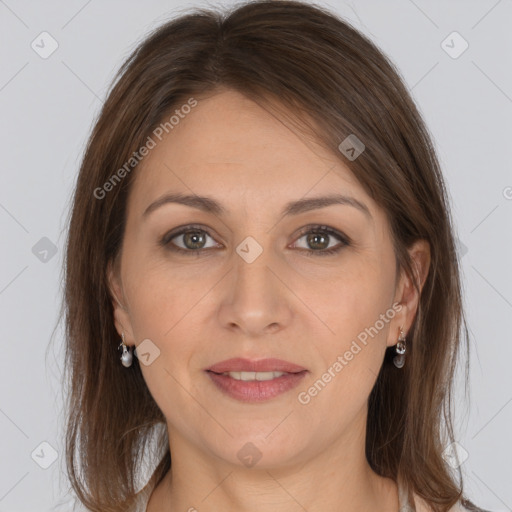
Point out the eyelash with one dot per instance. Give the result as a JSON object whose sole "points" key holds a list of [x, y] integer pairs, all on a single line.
{"points": [[316, 228]]}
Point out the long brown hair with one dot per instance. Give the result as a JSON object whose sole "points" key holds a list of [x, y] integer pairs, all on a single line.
{"points": [[333, 79]]}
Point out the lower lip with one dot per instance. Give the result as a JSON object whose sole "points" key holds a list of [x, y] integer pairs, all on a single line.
{"points": [[256, 391]]}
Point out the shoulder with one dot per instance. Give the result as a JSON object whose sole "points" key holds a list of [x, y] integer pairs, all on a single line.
{"points": [[460, 506]]}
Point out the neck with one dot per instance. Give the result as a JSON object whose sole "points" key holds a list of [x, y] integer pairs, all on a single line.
{"points": [[339, 478]]}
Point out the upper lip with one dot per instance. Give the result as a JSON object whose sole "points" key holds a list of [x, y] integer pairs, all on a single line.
{"points": [[239, 364]]}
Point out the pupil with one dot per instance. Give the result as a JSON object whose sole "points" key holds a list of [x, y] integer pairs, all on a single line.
{"points": [[195, 237], [312, 240]]}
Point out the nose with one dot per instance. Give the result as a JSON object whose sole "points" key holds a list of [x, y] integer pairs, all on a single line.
{"points": [[256, 298]]}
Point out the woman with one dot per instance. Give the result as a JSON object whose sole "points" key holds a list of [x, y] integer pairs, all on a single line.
{"points": [[260, 213]]}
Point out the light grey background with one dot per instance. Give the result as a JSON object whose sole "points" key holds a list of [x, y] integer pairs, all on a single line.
{"points": [[47, 110]]}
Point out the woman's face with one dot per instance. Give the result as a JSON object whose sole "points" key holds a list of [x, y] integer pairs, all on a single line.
{"points": [[256, 280]]}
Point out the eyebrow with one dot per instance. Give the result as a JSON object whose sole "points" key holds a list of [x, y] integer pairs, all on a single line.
{"points": [[209, 205]]}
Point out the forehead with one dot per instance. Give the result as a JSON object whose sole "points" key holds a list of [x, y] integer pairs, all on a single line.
{"points": [[229, 146]]}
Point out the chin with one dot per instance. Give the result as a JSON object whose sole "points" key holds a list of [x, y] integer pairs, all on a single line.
{"points": [[257, 451]]}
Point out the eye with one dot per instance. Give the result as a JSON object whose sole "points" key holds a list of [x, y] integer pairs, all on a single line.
{"points": [[193, 240], [320, 238], [189, 239]]}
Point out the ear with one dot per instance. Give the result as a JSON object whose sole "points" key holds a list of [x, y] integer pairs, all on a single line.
{"points": [[121, 312], [406, 294]]}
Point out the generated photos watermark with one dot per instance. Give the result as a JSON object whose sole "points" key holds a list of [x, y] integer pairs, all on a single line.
{"points": [[137, 156], [304, 397]]}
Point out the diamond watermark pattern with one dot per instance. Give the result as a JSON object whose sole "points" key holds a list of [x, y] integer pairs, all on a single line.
{"points": [[249, 249], [454, 45], [249, 455], [147, 352], [462, 248], [44, 45], [455, 455], [44, 455], [44, 250], [351, 147]]}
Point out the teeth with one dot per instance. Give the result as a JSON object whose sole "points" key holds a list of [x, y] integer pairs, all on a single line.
{"points": [[247, 376]]}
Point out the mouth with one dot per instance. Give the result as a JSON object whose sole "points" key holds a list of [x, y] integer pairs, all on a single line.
{"points": [[255, 380], [239, 364], [254, 376]]}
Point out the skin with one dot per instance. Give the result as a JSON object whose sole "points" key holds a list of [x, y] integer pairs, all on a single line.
{"points": [[306, 309]]}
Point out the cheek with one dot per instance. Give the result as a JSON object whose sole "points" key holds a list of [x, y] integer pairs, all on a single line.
{"points": [[153, 309], [160, 310], [159, 294], [353, 353], [166, 308], [354, 300], [357, 309]]}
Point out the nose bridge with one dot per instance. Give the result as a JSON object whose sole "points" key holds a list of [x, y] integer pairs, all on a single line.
{"points": [[257, 299], [252, 277]]}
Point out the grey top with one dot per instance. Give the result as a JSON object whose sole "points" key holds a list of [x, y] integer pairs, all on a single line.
{"points": [[144, 494]]}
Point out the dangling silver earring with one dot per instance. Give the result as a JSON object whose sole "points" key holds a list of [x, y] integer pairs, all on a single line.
{"points": [[399, 359], [126, 357]]}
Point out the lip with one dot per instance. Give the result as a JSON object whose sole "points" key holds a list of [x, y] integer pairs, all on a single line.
{"points": [[239, 364], [255, 391]]}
